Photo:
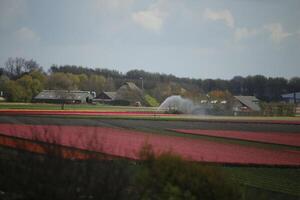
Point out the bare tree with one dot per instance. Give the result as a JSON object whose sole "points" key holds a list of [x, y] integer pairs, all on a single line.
{"points": [[16, 67]]}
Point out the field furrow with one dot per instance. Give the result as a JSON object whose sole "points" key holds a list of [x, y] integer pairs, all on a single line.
{"points": [[292, 139]]}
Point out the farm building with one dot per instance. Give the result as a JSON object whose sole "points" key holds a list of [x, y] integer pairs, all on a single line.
{"points": [[127, 94], [58, 96], [291, 97], [130, 92], [245, 104]]}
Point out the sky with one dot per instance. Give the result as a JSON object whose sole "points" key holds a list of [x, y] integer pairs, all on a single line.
{"points": [[187, 38]]}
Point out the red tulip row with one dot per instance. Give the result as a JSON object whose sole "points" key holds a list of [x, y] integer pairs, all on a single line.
{"points": [[292, 139], [127, 143]]}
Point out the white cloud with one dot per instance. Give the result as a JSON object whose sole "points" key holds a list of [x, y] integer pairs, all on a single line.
{"points": [[154, 17], [222, 15], [244, 33], [151, 19], [25, 34], [277, 34]]}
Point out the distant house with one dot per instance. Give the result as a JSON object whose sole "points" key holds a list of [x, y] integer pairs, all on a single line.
{"points": [[245, 104], [127, 94], [291, 97], [59, 96]]}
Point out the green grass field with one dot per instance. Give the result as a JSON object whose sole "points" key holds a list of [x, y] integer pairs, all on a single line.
{"points": [[99, 107], [283, 180]]}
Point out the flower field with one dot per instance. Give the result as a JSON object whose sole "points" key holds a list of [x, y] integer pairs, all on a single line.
{"points": [[292, 139], [127, 143]]}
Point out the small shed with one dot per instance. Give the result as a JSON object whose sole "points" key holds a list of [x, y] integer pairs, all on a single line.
{"points": [[67, 96]]}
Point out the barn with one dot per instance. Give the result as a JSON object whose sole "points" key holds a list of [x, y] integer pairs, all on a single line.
{"points": [[67, 96], [127, 94]]}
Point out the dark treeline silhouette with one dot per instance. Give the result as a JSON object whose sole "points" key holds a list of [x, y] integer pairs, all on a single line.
{"points": [[265, 88]]}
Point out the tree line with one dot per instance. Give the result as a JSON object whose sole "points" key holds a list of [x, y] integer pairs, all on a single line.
{"points": [[265, 88], [22, 79]]}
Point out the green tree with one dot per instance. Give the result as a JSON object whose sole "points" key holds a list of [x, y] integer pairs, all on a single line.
{"points": [[83, 78], [60, 81], [15, 92], [94, 83], [27, 83], [3, 80], [39, 75], [31, 86]]}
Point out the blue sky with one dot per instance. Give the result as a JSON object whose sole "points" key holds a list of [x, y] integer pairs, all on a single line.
{"points": [[187, 38]]}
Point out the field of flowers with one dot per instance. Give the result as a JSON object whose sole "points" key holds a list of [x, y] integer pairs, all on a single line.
{"points": [[292, 139], [127, 143]]}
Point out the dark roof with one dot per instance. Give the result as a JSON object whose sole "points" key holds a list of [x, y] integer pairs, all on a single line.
{"points": [[63, 94], [111, 95], [130, 86], [249, 101], [291, 95]]}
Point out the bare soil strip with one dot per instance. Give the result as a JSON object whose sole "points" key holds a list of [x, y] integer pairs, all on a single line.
{"points": [[292, 139]]}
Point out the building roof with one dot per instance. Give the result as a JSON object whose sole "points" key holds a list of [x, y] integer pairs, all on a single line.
{"points": [[129, 92], [249, 101], [63, 94], [130, 86], [111, 95], [291, 95]]}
